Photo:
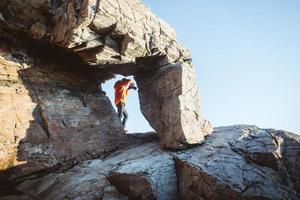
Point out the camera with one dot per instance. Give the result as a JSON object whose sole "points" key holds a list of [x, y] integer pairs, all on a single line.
{"points": [[132, 86]]}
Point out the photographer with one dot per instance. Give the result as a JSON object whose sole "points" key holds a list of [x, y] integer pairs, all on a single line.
{"points": [[121, 92]]}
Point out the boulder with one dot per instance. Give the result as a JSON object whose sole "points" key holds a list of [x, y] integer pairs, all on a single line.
{"points": [[169, 99], [241, 162]]}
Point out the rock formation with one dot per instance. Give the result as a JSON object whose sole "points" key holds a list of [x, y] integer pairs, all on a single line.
{"points": [[52, 114], [238, 162], [241, 162], [60, 137], [108, 36]]}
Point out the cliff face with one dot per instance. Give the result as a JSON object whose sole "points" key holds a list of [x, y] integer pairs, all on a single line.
{"points": [[52, 113], [122, 37], [54, 116]]}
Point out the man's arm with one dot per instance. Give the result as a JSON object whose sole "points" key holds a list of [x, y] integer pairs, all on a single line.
{"points": [[127, 86], [132, 85]]}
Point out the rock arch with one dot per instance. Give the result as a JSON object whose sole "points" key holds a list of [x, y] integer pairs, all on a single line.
{"points": [[169, 98], [108, 37]]}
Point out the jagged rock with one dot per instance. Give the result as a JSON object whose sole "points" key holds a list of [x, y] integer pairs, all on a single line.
{"points": [[146, 164], [151, 176], [241, 162], [38, 30], [169, 99], [52, 115], [134, 29], [135, 185], [111, 193], [217, 169], [111, 34]]}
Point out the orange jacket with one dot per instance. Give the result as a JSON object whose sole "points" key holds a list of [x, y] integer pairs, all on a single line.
{"points": [[121, 91]]}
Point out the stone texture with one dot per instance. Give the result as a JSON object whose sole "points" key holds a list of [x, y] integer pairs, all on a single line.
{"points": [[169, 99], [106, 31], [17, 197], [151, 176], [50, 115], [241, 162], [110, 36], [146, 164], [54, 116], [227, 166]]}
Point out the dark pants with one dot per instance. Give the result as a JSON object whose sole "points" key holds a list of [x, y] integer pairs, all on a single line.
{"points": [[122, 112]]}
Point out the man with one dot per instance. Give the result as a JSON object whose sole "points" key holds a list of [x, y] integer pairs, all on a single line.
{"points": [[121, 92]]}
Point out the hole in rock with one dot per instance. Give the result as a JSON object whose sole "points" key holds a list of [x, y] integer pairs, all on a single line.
{"points": [[136, 121]]}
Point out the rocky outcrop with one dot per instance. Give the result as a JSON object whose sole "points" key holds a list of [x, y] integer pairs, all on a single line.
{"points": [[241, 162], [169, 99], [140, 172], [106, 31], [109, 36], [60, 137], [51, 115], [238, 162]]}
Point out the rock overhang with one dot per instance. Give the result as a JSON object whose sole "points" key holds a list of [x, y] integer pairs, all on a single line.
{"points": [[104, 36], [99, 31], [122, 37]]}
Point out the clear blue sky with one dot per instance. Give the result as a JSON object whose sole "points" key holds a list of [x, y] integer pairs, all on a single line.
{"points": [[247, 58]]}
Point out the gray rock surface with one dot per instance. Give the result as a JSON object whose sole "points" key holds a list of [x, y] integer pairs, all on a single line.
{"points": [[241, 162], [140, 172], [226, 166]]}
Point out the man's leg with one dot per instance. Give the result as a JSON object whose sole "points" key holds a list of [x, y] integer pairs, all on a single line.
{"points": [[120, 111], [125, 116]]}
